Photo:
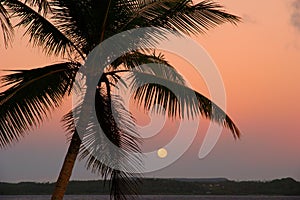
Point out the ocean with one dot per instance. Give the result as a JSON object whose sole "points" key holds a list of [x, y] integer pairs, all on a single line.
{"points": [[151, 197]]}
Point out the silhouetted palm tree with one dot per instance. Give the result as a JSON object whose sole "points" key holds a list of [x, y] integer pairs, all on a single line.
{"points": [[71, 29]]}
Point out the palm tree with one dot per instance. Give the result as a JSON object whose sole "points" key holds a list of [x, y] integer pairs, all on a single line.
{"points": [[70, 30]]}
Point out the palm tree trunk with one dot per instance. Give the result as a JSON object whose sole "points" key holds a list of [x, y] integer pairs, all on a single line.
{"points": [[66, 170]]}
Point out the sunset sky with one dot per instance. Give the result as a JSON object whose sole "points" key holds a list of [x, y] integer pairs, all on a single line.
{"points": [[259, 63]]}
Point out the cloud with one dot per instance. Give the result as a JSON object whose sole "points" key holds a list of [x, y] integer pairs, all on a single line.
{"points": [[295, 18]]}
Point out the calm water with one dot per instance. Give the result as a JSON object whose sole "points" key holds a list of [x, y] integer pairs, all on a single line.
{"points": [[151, 197]]}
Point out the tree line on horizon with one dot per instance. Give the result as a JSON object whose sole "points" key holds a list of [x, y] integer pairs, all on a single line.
{"points": [[150, 186]]}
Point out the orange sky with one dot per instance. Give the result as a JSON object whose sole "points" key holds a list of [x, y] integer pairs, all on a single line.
{"points": [[259, 63]]}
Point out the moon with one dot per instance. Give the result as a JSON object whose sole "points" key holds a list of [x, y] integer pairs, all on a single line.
{"points": [[162, 153]]}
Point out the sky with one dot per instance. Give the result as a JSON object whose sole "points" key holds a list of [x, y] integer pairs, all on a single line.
{"points": [[259, 64]]}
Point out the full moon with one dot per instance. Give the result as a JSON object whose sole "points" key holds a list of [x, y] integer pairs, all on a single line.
{"points": [[162, 153]]}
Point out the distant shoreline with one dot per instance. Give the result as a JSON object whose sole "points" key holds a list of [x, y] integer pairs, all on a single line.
{"points": [[154, 197], [176, 186]]}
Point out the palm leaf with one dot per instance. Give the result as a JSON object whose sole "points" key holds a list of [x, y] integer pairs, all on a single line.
{"points": [[100, 157], [7, 30], [136, 60], [74, 18], [181, 15], [30, 97], [178, 100], [90, 22], [42, 5], [123, 187], [87, 22], [41, 31], [158, 82]]}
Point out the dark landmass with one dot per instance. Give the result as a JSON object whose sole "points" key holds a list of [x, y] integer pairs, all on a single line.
{"points": [[218, 186]]}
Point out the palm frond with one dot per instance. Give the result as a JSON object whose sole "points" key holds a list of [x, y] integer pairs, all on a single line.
{"points": [[158, 82], [123, 187], [85, 21], [42, 5], [177, 100], [155, 81], [30, 97], [7, 29], [181, 15], [74, 18], [136, 60], [119, 14], [90, 22], [41, 31], [115, 166]]}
